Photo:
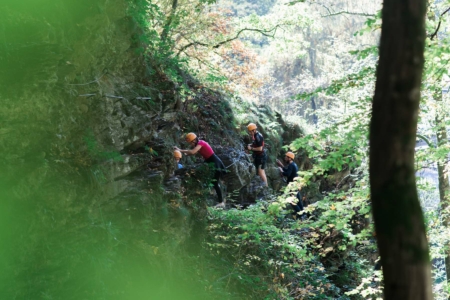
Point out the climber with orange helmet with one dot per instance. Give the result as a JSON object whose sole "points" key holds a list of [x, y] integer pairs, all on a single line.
{"points": [[177, 155], [258, 153], [208, 155], [290, 171]]}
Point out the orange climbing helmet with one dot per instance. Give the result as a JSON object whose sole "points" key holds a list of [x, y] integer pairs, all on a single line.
{"points": [[177, 154], [190, 137], [290, 155], [251, 126]]}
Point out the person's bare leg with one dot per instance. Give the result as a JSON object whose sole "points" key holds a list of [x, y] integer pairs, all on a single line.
{"points": [[262, 174]]}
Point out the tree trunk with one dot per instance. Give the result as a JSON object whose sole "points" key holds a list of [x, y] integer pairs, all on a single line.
{"points": [[315, 119], [398, 217], [444, 187], [166, 30]]}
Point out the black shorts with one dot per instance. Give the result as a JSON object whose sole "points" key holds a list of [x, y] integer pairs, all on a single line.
{"points": [[219, 168], [260, 161]]}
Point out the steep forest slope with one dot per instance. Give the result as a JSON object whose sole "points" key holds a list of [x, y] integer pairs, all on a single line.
{"points": [[89, 207]]}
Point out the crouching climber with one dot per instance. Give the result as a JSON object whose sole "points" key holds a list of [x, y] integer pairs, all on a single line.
{"points": [[259, 155], [290, 172], [209, 157], [297, 206], [177, 155]]}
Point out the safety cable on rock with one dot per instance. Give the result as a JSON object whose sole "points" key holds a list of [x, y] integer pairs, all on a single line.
{"points": [[231, 164], [234, 162]]}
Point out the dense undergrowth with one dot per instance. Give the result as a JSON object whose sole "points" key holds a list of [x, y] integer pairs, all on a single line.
{"points": [[319, 255]]}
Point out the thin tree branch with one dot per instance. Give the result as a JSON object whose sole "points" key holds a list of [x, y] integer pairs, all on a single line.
{"points": [[330, 13], [261, 31], [428, 165], [209, 65], [190, 45], [433, 35], [268, 33], [324, 6], [344, 12], [423, 138]]}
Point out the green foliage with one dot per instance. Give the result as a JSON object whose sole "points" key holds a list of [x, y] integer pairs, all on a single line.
{"points": [[370, 287], [149, 17], [71, 232], [371, 24], [263, 239], [332, 149], [346, 212], [339, 143], [151, 151], [355, 80], [95, 152], [263, 250], [364, 53]]}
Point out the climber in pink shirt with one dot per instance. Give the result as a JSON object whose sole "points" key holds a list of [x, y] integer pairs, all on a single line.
{"points": [[208, 155]]}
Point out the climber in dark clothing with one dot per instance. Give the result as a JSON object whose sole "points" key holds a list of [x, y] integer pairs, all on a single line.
{"points": [[259, 155], [207, 152], [290, 172], [299, 205]]}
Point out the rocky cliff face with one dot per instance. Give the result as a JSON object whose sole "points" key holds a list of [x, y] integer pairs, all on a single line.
{"points": [[89, 100]]}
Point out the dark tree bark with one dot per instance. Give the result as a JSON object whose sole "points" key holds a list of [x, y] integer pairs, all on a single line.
{"points": [[398, 217]]}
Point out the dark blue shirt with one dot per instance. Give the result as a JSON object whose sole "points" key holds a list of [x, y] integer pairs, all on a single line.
{"points": [[290, 172]]}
